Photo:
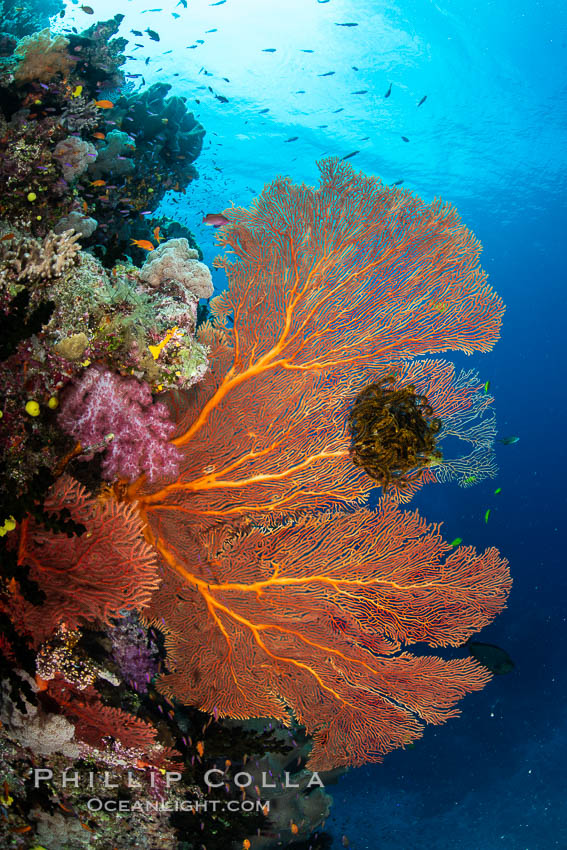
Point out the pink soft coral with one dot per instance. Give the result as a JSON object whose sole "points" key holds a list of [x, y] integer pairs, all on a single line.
{"points": [[103, 404]]}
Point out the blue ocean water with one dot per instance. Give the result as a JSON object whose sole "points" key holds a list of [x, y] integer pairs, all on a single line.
{"points": [[489, 138]]}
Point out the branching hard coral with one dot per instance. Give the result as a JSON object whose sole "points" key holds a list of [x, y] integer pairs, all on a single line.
{"points": [[394, 431], [41, 56], [32, 261]]}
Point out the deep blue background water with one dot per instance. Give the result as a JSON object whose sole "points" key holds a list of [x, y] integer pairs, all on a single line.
{"points": [[491, 139]]}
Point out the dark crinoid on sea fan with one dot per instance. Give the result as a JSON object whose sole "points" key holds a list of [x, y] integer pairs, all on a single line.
{"points": [[393, 431]]}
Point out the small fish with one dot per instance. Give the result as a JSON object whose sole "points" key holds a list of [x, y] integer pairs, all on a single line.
{"points": [[88, 10], [269, 50], [98, 182], [307, 51], [19, 830], [423, 99], [175, 15], [200, 747], [360, 91], [487, 514], [183, 3], [456, 542], [207, 31], [219, 3], [104, 104], [246, 844], [77, 91], [486, 387], [345, 842], [262, 111], [216, 219], [497, 491], [294, 828], [508, 441], [389, 92], [292, 139], [328, 74], [405, 139], [157, 236], [143, 243], [397, 183], [346, 25], [490, 656], [152, 34], [470, 479], [7, 236], [350, 155], [336, 111], [139, 33]]}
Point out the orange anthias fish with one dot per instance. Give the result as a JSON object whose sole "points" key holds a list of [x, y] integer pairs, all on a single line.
{"points": [[99, 136], [104, 104], [200, 748], [216, 219], [98, 182], [143, 243], [157, 237]]}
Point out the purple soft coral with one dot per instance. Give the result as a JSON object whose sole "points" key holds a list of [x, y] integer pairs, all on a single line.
{"points": [[102, 403]]}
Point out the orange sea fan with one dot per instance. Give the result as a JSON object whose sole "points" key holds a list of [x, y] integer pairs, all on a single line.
{"points": [[268, 610], [91, 577]]}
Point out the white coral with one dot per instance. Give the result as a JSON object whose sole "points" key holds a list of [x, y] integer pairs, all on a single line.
{"points": [[176, 261], [74, 156], [43, 734]]}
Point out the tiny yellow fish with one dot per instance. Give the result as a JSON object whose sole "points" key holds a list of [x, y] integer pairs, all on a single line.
{"points": [[486, 387], [77, 91], [497, 491], [487, 514], [456, 542]]}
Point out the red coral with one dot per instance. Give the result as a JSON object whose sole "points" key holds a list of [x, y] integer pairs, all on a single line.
{"points": [[92, 577], [267, 610], [95, 722]]}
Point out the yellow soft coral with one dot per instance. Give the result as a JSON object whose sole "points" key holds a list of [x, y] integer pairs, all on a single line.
{"points": [[41, 56]]}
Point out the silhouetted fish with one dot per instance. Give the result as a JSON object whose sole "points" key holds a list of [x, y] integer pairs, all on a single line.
{"points": [[423, 99], [346, 25], [349, 155], [405, 139], [152, 34], [490, 656], [328, 74], [292, 139], [389, 92], [269, 50]]}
